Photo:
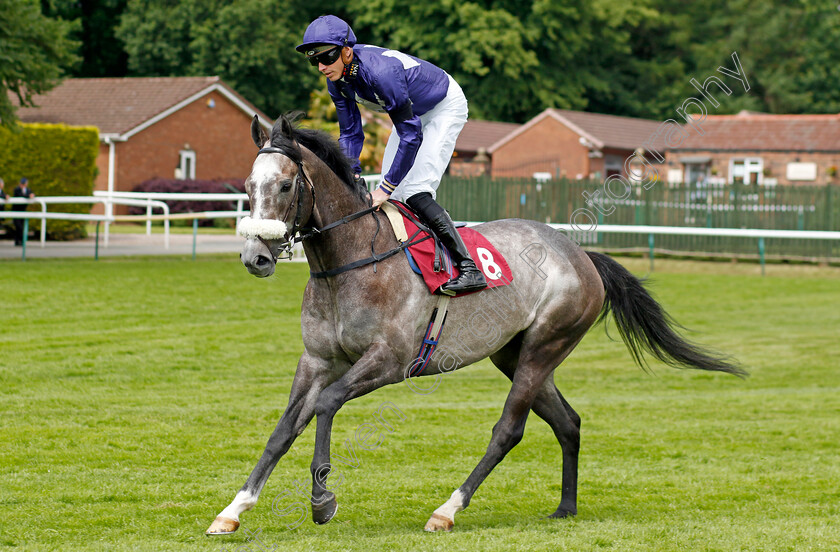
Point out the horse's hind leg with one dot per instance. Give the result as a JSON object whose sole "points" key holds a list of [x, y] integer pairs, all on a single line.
{"points": [[550, 405], [565, 422], [535, 364], [507, 433]]}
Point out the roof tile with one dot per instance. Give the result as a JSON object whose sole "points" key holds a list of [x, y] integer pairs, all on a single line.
{"points": [[482, 134], [613, 131], [764, 132], [114, 105]]}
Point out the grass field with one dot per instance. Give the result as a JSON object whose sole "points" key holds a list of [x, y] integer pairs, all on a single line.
{"points": [[137, 395]]}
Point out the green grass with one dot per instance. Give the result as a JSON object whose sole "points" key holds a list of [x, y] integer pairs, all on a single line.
{"points": [[137, 395]]}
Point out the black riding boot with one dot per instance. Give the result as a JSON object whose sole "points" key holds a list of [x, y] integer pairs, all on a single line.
{"points": [[470, 278]]}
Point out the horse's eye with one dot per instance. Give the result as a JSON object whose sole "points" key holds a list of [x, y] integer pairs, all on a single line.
{"points": [[286, 187]]}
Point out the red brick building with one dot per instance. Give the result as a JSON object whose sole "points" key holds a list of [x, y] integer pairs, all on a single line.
{"points": [[182, 127], [471, 156], [757, 148], [559, 143]]}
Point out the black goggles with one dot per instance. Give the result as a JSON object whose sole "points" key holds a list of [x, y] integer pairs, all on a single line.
{"points": [[327, 58]]}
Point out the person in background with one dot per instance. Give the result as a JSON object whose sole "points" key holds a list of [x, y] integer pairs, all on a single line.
{"points": [[428, 110], [24, 191]]}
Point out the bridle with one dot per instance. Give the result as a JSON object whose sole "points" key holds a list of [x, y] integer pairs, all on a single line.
{"points": [[300, 180], [305, 233]]}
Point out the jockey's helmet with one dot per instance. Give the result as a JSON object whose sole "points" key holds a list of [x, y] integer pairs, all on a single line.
{"points": [[327, 29]]}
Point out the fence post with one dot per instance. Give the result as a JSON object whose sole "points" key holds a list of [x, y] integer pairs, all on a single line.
{"points": [[239, 205], [24, 239], [43, 224], [761, 254], [96, 249], [829, 219], [650, 245], [195, 235]]}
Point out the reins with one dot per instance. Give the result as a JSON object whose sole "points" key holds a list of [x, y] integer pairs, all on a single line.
{"points": [[294, 238]]}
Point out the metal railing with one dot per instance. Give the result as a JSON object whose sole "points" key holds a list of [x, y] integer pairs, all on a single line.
{"points": [[639, 237], [108, 203], [759, 236]]}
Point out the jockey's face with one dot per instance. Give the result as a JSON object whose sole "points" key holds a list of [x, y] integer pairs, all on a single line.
{"points": [[334, 70]]}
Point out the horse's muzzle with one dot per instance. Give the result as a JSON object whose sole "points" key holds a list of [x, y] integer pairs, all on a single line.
{"points": [[257, 258]]}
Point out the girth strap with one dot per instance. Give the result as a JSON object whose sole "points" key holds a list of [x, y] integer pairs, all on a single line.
{"points": [[431, 338]]}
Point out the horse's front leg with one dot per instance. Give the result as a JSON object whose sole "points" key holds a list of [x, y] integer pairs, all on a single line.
{"points": [[311, 377], [377, 367]]}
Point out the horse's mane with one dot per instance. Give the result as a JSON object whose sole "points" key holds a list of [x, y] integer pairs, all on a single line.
{"points": [[322, 145]]}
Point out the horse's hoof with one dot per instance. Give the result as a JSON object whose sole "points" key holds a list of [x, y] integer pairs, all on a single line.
{"points": [[324, 510], [563, 512], [222, 526], [439, 523]]}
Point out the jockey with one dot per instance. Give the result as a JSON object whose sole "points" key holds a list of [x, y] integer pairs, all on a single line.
{"points": [[428, 110]]}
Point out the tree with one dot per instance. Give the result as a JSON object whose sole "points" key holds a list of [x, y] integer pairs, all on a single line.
{"points": [[35, 53], [248, 43], [102, 54], [639, 57], [251, 44], [157, 35], [819, 75], [787, 50], [482, 47], [515, 59]]}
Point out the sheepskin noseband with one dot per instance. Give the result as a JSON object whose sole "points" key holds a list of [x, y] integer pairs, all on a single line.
{"points": [[267, 229]]}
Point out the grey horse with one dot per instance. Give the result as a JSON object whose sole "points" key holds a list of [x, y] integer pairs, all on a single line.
{"points": [[362, 328]]}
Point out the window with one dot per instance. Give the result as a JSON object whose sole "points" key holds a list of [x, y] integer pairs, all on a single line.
{"points": [[613, 164], [746, 171], [696, 173], [186, 165], [802, 171]]}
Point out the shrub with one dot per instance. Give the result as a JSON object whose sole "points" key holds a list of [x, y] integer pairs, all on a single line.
{"points": [[171, 186], [58, 160]]}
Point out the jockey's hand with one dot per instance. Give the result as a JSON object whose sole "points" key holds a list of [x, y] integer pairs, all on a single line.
{"points": [[378, 197]]}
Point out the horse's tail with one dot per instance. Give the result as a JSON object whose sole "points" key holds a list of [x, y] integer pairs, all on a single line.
{"points": [[645, 326]]}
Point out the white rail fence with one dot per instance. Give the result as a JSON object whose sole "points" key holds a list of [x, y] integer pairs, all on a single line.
{"points": [[157, 201]]}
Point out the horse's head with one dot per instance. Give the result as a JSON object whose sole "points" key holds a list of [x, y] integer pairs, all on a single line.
{"points": [[280, 198]]}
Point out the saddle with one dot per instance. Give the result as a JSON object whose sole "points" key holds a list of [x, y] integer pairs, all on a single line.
{"points": [[430, 259]]}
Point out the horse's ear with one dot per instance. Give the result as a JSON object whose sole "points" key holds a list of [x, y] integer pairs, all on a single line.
{"points": [[286, 127], [258, 135]]}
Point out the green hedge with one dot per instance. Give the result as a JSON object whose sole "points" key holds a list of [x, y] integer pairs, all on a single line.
{"points": [[58, 160]]}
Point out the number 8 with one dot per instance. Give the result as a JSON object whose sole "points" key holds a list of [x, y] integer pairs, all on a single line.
{"points": [[488, 264]]}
